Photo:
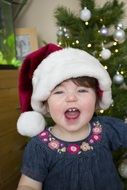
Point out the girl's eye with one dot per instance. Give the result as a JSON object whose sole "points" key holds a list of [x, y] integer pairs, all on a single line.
{"points": [[82, 90], [58, 92]]}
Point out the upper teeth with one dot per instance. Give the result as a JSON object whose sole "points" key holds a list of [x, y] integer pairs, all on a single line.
{"points": [[72, 109]]}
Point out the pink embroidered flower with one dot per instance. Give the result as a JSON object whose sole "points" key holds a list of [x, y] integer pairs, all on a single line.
{"points": [[43, 134], [97, 130], [54, 144], [73, 148], [96, 137], [45, 139]]}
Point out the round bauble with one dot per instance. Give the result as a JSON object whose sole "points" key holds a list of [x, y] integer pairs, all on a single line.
{"points": [[119, 35], [105, 54], [118, 79], [85, 14], [60, 31], [123, 168], [104, 31], [120, 25]]}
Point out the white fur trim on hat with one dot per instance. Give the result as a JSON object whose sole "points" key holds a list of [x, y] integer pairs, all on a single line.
{"points": [[30, 123], [64, 64]]}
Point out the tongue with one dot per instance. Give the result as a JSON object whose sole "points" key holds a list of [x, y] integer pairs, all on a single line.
{"points": [[72, 115]]}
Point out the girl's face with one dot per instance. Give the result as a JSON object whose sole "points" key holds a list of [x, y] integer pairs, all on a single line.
{"points": [[71, 106]]}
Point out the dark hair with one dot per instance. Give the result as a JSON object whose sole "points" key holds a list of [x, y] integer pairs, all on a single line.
{"points": [[89, 82]]}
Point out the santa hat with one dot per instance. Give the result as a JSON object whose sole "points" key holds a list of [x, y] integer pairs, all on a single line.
{"points": [[49, 69]]}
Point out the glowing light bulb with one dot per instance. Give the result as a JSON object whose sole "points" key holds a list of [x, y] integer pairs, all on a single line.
{"points": [[77, 42], [89, 45], [114, 43], [86, 23], [59, 43], [116, 50]]}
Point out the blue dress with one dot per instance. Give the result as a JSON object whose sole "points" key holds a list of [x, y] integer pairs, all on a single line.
{"points": [[80, 165]]}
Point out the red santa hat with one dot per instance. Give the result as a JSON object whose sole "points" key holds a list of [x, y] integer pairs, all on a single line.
{"points": [[48, 67]]}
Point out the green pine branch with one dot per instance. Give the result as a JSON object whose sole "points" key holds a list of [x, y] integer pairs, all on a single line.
{"points": [[82, 34]]}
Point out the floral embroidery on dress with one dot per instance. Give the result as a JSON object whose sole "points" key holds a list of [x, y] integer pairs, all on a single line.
{"points": [[86, 146], [54, 144], [96, 133], [73, 148]]}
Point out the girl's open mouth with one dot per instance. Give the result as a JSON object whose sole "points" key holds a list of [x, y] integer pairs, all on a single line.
{"points": [[72, 113]]}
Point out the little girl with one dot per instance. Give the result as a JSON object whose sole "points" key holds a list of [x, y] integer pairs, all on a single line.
{"points": [[75, 153]]}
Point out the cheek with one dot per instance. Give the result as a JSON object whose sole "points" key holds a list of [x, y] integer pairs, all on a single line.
{"points": [[53, 106], [54, 111], [90, 101]]}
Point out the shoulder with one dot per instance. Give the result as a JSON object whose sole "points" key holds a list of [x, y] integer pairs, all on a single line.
{"points": [[112, 125], [110, 121], [34, 141], [114, 131], [40, 142], [36, 150], [35, 145]]}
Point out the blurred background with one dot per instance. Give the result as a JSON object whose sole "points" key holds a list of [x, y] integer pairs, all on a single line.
{"points": [[97, 26]]}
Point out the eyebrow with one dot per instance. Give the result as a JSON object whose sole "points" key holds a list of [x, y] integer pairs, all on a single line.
{"points": [[59, 85]]}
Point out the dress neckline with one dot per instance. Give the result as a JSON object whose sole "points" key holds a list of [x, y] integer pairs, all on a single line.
{"points": [[76, 147], [68, 142]]}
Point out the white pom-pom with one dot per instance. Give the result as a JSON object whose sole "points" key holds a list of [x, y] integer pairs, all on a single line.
{"points": [[30, 123]]}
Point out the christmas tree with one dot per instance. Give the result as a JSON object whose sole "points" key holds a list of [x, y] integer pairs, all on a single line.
{"points": [[99, 31]]}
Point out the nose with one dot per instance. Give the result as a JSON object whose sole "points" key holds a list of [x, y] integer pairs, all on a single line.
{"points": [[71, 97]]}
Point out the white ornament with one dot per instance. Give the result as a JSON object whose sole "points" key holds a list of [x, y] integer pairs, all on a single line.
{"points": [[66, 35], [60, 31], [119, 35], [104, 31], [123, 168], [63, 32], [105, 54], [118, 79], [120, 25], [85, 14]]}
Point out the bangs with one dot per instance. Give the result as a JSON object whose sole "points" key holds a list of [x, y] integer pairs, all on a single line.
{"points": [[88, 82]]}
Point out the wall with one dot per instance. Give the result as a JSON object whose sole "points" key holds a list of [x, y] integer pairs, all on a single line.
{"points": [[40, 14]]}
